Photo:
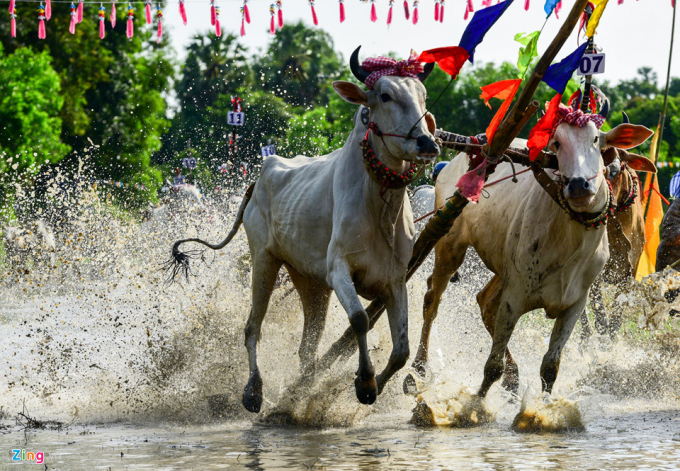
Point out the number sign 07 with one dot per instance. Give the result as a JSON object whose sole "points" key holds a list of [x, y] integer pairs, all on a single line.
{"points": [[591, 64]]}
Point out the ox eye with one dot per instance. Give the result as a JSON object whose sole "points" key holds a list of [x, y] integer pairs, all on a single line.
{"points": [[557, 145], [385, 97], [597, 138]]}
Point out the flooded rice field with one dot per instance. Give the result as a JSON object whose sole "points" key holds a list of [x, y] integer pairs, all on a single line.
{"points": [[107, 366]]}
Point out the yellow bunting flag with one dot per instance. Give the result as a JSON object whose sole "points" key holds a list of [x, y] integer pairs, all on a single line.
{"points": [[651, 203], [600, 5]]}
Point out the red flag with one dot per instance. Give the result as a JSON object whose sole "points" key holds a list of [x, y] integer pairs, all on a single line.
{"points": [[540, 134], [504, 90], [450, 59]]}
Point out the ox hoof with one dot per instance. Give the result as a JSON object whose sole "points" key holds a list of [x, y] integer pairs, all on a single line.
{"points": [[367, 390], [410, 386], [252, 395]]}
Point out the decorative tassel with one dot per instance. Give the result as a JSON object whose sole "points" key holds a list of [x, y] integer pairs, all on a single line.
{"points": [[159, 15], [48, 10], [102, 20], [436, 10], [72, 26], [218, 28], [79, 12], [441, 11], [272, 22], [314, 17], [389, 13], [243, 23], [41, 22], [415, 12], [13, 21], [342, 11], [113, 14], [526, 5], [11, 7], [246, 11], [374, 14], [212, 12], [130, 27], [279, 5], [183, 12], [147, 8]]}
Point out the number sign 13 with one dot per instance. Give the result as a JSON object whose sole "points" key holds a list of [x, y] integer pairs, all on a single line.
{"points": [[591, 64]]}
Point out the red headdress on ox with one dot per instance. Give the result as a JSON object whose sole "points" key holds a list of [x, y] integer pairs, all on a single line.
{"points": [[373, 68]]}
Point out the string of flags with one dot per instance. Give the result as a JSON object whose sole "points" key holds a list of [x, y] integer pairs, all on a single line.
{"points": [[275, 11], [668, 164]]}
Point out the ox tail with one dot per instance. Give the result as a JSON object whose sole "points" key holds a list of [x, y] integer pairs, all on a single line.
{"points": [[179, 261]]}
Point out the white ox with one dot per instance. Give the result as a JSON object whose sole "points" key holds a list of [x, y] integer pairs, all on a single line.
{"points": [[540, 257], [336, 229]]}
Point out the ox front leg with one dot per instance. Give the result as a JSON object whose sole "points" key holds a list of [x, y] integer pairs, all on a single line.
{"points": [[564, 324], [397, 313], [504, 325], [341, 281]]}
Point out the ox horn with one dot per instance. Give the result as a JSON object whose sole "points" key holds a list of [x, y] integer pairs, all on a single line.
{"points": [[358, 72], [604, 111], [626, 119], [428, 70]]}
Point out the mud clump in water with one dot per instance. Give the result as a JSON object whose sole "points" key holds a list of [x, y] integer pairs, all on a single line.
{"points": [[464, 410], [551, 415]]}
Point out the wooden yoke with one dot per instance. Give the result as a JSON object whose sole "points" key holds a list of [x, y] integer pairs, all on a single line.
{"points": [[440, 224]]}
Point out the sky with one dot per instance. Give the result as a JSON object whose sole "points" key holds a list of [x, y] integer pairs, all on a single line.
{"points": [[632, 35]]}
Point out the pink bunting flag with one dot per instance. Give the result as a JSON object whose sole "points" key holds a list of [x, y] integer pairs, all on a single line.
{"points": [[11, 7], [389, 13], [272, 22], [406, 12], [558, 7], [441, 11], [243, 23], [42, 34], [246, 11], [112, 17], [48, 10], [374, 14], [436, 10], [212, 13], [415, 12], [79, 12], [130, 30], [526, 4], [183, 12], [13, 24], [279, 7], [314, 17], [147, 8], [102, 21], [342, 11], [159, 15], [72, 25], [218, 28], [467, 12], [471, 7]]}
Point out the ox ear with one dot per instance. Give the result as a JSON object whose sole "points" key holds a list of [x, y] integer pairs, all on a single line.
{"points": [[431, 124], [627, 136], [350, 92], [637, 162], [609, 155]]}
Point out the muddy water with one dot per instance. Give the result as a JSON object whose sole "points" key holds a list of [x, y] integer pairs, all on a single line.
{"points": [[96, 340]]}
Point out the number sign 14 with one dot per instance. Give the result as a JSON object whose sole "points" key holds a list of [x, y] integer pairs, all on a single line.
{"points": [[591, 64]]}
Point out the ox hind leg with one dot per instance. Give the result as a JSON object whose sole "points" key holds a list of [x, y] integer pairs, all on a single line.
{"points": [[397, 312], [265, 271], [564, 324], [315, 298], [488, 300], [449, 256]]}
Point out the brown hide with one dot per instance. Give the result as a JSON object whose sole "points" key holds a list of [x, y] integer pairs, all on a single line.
{"points": [[626, 232], [669, 248]]}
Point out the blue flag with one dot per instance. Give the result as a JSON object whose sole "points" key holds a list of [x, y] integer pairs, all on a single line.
{"points": [[558, 75], [550, 6], [481, 23]]}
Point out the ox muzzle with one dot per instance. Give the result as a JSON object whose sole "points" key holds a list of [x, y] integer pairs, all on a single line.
{"points": [[427, 147]]}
